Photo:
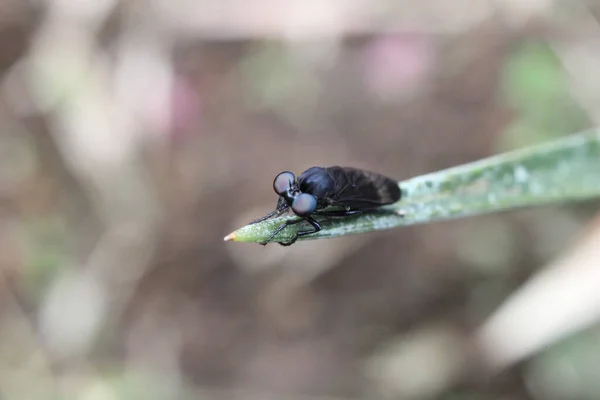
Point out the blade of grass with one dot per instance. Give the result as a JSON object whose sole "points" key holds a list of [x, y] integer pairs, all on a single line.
{"points": [[562, 171]]}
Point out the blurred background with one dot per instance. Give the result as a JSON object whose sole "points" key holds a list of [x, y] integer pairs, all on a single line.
{"points": [[135, 134]]}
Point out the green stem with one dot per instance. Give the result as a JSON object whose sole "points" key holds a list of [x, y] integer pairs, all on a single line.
{"points": [[562, 171]]}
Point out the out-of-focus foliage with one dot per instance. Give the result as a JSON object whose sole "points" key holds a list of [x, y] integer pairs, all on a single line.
{"points": [[538, 88], [566, 371]]}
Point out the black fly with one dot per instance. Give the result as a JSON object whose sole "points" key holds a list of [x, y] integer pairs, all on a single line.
{"points": [[351, 189]]}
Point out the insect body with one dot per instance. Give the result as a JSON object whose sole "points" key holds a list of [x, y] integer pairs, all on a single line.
{"points": [[352, 190]]}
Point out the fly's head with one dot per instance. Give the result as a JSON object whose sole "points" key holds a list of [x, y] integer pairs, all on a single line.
{"points": [[286, 186]]}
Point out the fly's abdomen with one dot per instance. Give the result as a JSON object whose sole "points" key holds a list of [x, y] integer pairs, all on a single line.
{"points": [[363, 189]]}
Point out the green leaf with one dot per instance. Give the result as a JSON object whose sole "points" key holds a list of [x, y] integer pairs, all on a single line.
{"points": [[561, 171]]}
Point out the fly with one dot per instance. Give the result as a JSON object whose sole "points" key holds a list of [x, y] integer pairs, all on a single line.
{"points": [[317, 188]]}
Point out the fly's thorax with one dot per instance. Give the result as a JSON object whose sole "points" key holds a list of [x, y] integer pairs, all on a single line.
{"points": [[317, 182]]}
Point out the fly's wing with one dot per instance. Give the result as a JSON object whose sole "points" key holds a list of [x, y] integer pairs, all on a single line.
{"points": [[357, 188]]}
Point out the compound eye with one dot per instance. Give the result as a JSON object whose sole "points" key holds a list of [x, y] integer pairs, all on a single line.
{"points": [[283, 181], [304, 204]]}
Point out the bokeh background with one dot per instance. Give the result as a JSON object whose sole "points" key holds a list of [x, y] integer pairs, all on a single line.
{"points": [[135, 134]]}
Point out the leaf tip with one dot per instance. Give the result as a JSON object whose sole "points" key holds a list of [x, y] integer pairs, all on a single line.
{"points": [[230, 237]]}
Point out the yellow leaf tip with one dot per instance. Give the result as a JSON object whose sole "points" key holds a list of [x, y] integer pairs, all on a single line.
{"points": [[229, 237]]}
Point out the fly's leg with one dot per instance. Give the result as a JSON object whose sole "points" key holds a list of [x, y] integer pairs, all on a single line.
{"points": [[315, 225], [280, 228], [316, 229], [274, 213], [280, 209], [340, 213]]}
